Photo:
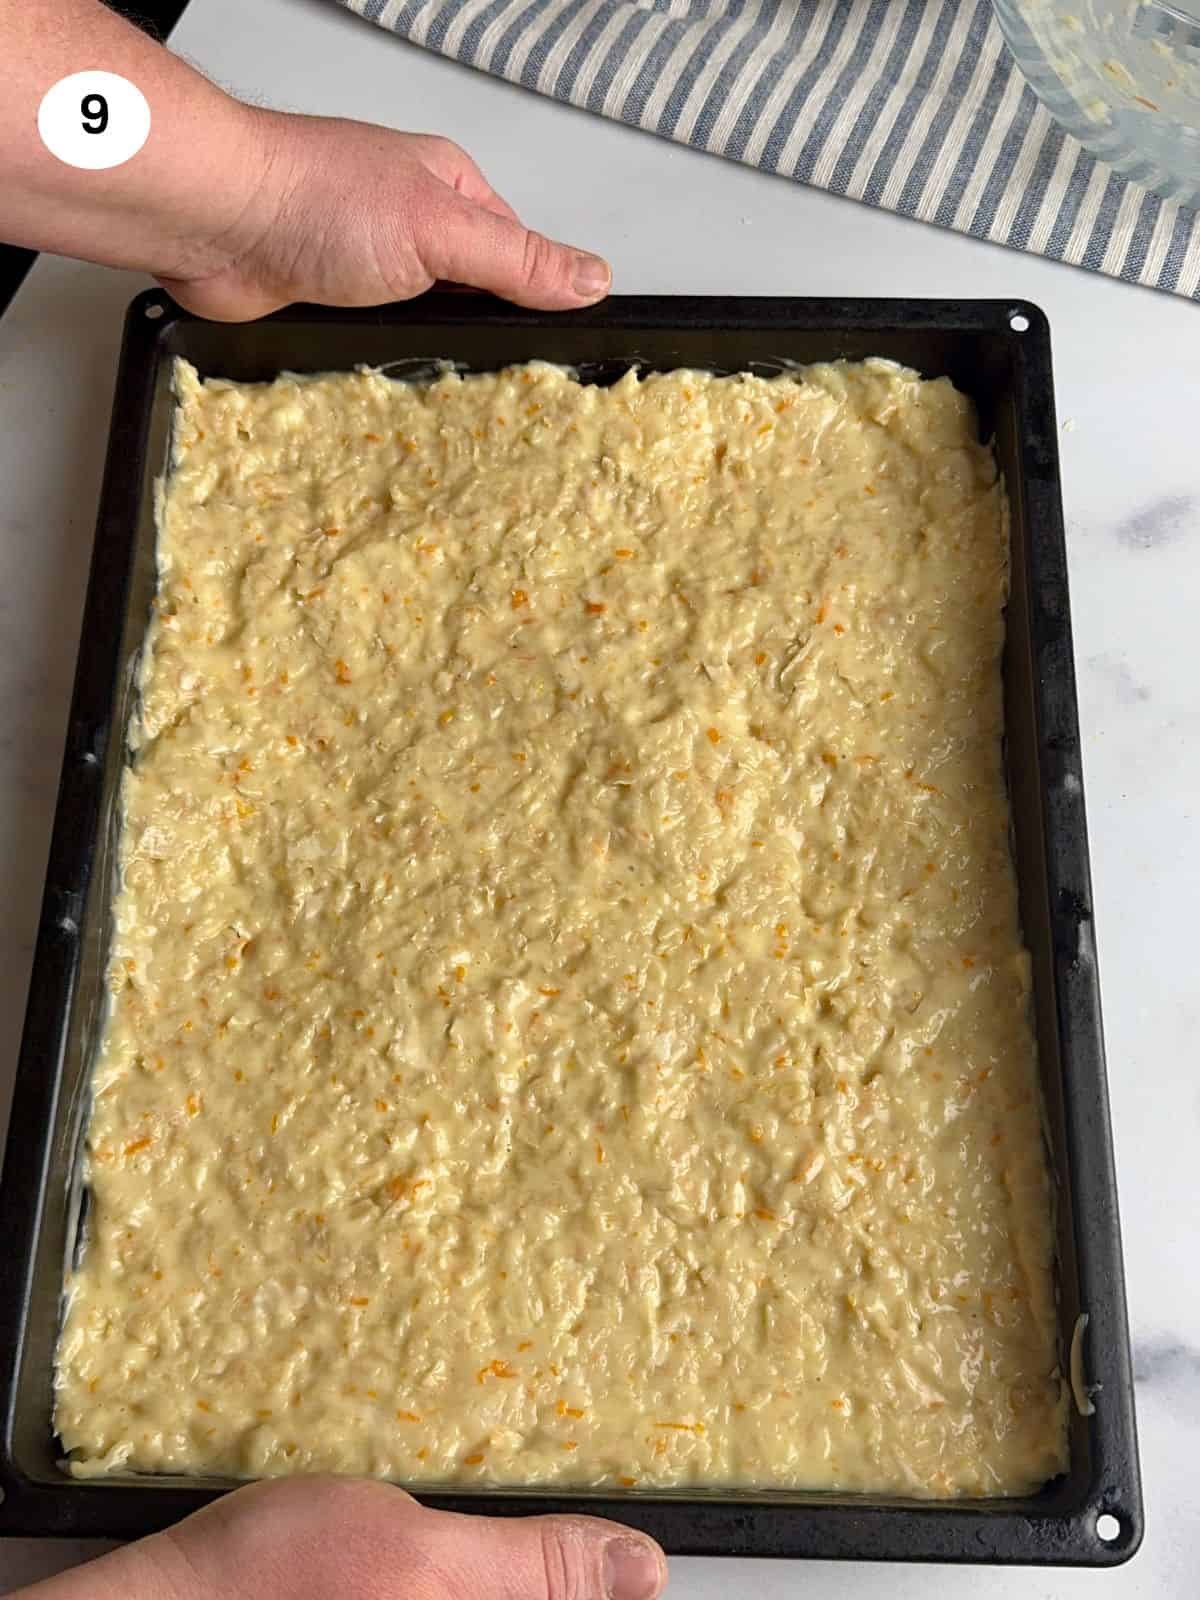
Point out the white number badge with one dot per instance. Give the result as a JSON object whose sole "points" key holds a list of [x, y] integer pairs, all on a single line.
{"points": [[94, 120]]}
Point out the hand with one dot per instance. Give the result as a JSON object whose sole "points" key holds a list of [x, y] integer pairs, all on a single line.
{"points": [[238, 210], [351, 214], [356, 1539]]}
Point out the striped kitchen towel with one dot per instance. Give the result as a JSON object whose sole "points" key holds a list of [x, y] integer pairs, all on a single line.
{"points": [[913, 105]]}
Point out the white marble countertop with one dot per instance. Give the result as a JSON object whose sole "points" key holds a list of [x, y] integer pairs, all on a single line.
{"points": [[675, 221]]}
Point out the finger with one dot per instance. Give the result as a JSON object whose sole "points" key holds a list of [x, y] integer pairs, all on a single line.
{"points": [[539, 1558], [330, 1537], [455, 167], [496, 204], [472, 185], [468, 244]]}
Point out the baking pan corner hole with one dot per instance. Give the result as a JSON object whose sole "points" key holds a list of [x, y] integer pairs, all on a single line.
{"points": [[1018, 321], [154, 309], [1114, 1529]]}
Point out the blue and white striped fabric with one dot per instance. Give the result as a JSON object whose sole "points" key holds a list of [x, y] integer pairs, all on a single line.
{"points": [[912, 105]]}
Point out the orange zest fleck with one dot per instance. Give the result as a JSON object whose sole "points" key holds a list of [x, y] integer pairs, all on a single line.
{"points": [[497, 1369]]}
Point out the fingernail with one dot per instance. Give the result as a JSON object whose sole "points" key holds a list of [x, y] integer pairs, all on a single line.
{"points": [[632, 1569], [592, 276]]}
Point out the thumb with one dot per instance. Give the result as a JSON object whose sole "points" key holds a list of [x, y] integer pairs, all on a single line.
{"points": [[540, 1558], [467, 243], [326, 1538]]}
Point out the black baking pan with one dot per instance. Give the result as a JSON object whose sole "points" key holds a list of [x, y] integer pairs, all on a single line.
{"points": [[998, 352]]}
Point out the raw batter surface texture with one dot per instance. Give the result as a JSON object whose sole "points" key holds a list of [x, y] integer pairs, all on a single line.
{"points": [[569, 1022]]}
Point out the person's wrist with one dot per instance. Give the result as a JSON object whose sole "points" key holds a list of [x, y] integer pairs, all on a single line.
{"points": [[236, 208]]}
